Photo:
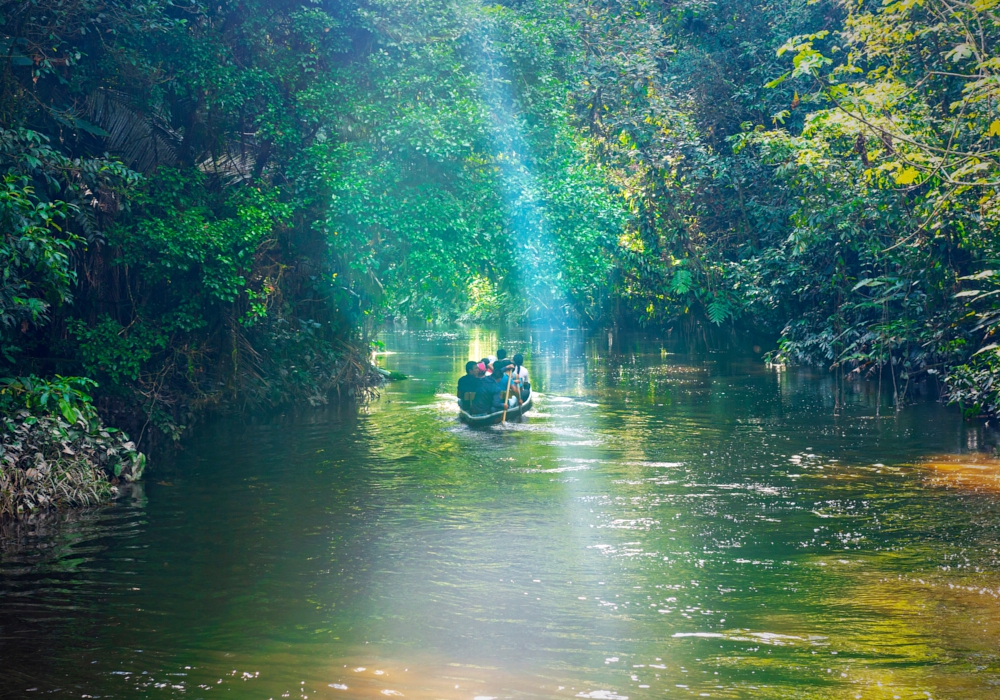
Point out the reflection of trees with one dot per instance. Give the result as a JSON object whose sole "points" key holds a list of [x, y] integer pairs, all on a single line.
{"points": [[48, 581], [47, 542]]}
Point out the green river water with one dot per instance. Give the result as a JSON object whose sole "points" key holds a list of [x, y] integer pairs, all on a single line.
{"points": [[661, 525]]}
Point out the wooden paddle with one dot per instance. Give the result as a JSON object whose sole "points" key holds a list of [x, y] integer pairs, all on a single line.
{"points": [[506, 399], [517, 373]]}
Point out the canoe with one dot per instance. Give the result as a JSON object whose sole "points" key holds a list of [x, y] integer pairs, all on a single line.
{"points": [[497, 416]]}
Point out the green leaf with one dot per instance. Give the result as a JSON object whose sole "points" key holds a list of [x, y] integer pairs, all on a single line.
{"points": [[681, 282], [808, 61], [67, 411], [718, 311], [777, 81], [959, 53]]}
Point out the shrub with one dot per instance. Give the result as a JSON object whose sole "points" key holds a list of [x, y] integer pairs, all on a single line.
{"points": [[54, 450]]}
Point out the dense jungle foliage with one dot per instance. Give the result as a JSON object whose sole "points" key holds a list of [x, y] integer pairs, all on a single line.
{"points": [[219, 202]]}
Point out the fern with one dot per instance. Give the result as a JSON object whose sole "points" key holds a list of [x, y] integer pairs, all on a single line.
{"points": [[719, 311], [681, 283]]}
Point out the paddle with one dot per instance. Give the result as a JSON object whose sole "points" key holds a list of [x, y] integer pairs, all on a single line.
{"points": [[506, 400], [517, 373]]}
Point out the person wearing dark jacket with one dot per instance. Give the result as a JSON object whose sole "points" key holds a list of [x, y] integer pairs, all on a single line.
{"points": [[490, 395], [469, 384], [483, 402]]}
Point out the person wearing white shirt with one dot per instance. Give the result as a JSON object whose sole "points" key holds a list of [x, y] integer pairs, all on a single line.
{"points": [[522, 374]]}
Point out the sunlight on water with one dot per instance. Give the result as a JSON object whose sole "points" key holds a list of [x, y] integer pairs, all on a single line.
{"points": [[660, 525], [970, 472]]}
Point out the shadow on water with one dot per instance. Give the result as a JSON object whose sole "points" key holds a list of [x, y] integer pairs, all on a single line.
{"points": [[662, 524]]}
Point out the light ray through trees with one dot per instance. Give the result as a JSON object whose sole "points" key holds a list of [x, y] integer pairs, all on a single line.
{"points": [[535, 260]]}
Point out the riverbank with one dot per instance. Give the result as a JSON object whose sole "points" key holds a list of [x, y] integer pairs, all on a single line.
{"points": [[58, 450], [50, 463], [55, 451]]}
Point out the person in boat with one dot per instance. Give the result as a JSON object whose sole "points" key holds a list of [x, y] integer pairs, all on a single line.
{"points": [[469, 384], [487, 364], [501, 354], [505, 368], [492, 390], [522, 376], [488, 388]]}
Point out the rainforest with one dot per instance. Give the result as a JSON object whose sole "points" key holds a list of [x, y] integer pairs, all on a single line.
{"points": [[741, 258], [217, 205]]}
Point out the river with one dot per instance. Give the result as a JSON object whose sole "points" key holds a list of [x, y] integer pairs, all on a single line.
{"points": [[662, 524]]}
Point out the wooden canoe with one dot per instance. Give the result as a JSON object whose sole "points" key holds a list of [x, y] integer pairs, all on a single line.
{"points": [[495, 417]]}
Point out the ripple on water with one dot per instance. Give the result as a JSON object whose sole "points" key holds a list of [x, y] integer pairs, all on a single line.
{"points": [[698, 544], [665, 465]]}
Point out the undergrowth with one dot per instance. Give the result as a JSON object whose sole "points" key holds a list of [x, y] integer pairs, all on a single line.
{"points": [[54, 450]]}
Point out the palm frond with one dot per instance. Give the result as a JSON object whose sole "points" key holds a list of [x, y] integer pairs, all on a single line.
{"points": [[233, 166], [142, 138]]}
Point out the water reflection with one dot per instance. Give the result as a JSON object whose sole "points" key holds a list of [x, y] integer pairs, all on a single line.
{"points": [[661, 524]]}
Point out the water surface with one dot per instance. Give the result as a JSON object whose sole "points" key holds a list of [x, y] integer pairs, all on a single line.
{"points": [[662, 524]]}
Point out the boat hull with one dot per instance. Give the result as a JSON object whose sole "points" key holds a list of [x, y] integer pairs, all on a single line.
{"points": [[496, 416]]}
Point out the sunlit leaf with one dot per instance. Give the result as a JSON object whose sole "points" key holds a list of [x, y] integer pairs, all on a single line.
{"points": [[777, 81], [959, 53]]}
